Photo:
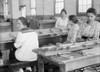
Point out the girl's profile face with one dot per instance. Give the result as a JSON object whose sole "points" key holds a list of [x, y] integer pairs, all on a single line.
{"points": [[91, 17], [19, 25], [74, 19]]}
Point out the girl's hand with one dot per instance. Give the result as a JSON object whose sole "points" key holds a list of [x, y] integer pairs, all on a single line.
{"points": [[79, 40], [12, 35], [67, 42]]}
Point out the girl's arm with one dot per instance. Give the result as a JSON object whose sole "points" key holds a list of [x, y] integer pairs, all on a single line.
{"points": [[97, 32], [19, 40], [75, 32], [57, 23]]}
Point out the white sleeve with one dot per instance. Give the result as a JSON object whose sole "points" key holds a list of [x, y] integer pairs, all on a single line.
{"points": [[75, 32], [36, 42], [97, 32], [19, 40], [57, 23]]}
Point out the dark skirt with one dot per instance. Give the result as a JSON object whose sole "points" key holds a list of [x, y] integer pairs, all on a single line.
{"points": [[86, 37], [12, 57]]}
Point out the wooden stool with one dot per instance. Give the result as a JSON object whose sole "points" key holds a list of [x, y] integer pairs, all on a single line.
{"points": [[17, 65]]}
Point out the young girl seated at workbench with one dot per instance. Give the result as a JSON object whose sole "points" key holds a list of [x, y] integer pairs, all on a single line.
{"points": [[25, 42], [73, 29], [62, 21], [91, 29]]}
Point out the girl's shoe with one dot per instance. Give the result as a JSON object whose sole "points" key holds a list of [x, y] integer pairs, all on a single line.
{"points": [[29, 69]]}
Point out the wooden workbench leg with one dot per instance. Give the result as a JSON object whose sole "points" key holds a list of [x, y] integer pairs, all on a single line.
{"points": [[40, 64], [62, 68]]}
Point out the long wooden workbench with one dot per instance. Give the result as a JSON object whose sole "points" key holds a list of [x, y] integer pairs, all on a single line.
{"points": [[46, 36], [75, 57], [51, 35], [65, 56]]}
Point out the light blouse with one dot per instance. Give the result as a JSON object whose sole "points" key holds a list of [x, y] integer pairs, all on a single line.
{"points": [[25, 43], [91, 30], [61, 23], [72, 34]]}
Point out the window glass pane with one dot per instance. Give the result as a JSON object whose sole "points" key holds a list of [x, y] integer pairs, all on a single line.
{"points": [[23, 11], [33, 12], [83, 5], [33, 7], [84, 2], [5, 8], [60, 4], [59, 0], [89, 2], [84, 8], [33, 3], [88, 6], [80, 2], [80, 8], [58, 7], [6, 0]]}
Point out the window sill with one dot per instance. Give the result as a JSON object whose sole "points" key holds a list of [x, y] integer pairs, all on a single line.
{"points": [[81, 14]]}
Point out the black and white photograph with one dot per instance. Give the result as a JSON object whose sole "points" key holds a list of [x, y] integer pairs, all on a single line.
{"points": [[49, 35]]}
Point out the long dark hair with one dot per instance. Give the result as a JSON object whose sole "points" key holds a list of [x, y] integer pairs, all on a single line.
{"points": [[24, 21], [73, 18], [0, 54]]}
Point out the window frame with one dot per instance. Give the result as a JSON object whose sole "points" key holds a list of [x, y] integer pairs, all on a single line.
{"points": [[77, 8], [55, 7], [33, 8], [6, 10], [21, 8]]}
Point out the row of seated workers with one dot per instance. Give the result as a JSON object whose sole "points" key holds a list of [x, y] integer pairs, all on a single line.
{"points": [[27, 40]]}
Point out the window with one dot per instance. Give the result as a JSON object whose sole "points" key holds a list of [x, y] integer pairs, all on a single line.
{"points": [[5, 8], [83, 5], [23, 11], [33, 7], [59, 5]]}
